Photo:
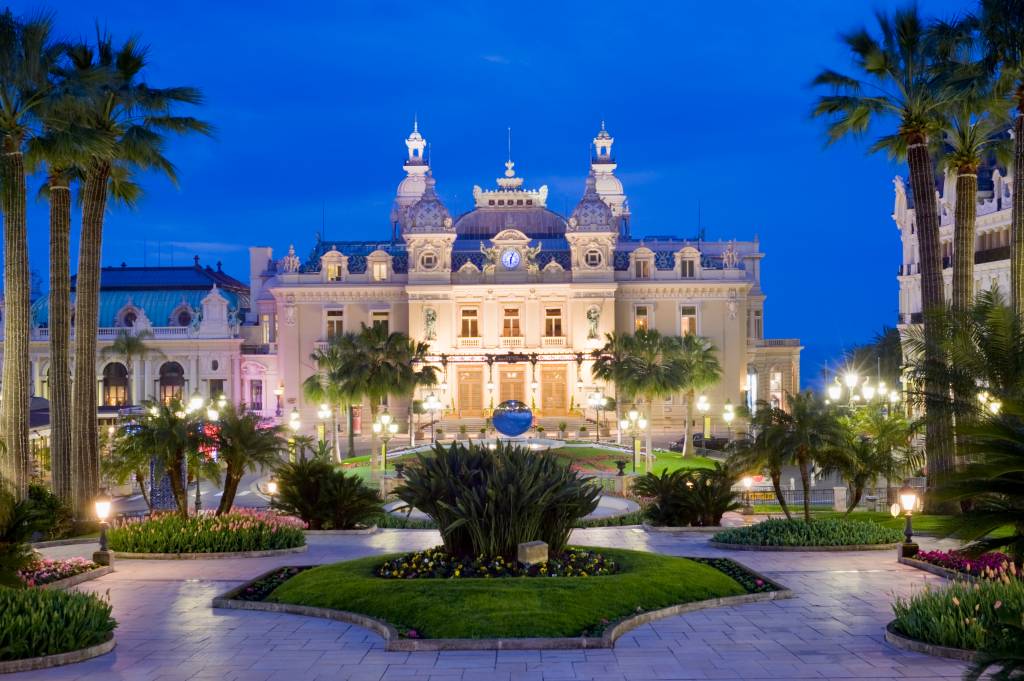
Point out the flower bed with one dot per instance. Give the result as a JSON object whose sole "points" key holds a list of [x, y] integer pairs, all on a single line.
{"points": [[753, 583], [962, 615], [993, 565], [47, 571], [238, 531], [436, 563], [798, 533], [40, 622], [261, 588]]}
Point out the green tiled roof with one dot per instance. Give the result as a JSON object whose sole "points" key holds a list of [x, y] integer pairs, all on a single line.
{"points": [[158, 305]]}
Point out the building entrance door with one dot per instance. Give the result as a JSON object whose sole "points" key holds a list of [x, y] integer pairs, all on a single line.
{"points": [[471, 391], [552, 388], [512, 384]]}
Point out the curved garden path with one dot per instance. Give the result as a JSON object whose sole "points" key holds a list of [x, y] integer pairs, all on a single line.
{"points": [[832, 629]]}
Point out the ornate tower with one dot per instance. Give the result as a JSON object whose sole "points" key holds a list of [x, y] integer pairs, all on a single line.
{"points": [[609, 187], [592, 235], [412, 187], [429, 234]]}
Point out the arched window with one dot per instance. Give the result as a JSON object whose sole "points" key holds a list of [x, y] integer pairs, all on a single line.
{"points": [[172, 382], [129, 318], [184, 318], [115, 385]]}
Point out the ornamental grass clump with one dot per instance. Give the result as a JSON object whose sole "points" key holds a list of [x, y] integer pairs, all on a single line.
{"points": [[821, 532], [963, 615], [240, 530], [325, 497], [38, 622], [487, 502], [684, 497]]}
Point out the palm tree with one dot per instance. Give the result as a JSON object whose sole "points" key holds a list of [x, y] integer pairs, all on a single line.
{"points": [[244, 445], [807, 429], [702, 371], [610, 367], [760, 449], [656, 368], [1001, 28], [26, 57], [330, 384], [898, 81], [136, 118], [130, 345]]}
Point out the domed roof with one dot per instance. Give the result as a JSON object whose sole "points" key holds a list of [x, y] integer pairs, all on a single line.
{"points": [[536, 222], [591, 213], [429, 214]]}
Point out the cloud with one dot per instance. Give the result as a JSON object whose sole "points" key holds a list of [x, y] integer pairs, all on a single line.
{"points": [[496, 58]]}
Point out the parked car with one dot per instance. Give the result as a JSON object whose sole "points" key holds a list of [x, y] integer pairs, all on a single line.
{"points": [[701, 442]]}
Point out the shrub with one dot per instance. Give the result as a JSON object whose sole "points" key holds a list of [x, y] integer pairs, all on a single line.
{"points": [[438, 563], [38, 622], [57, 518], [961, 615], [697, 497], [240, 530], [19, 520], [487, 502], [822, 532], [47, 570], [325, 497]]}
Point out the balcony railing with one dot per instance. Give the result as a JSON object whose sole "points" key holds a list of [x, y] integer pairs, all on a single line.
{"points": [[552, 342], [112, 332], [260, 349], [777, 342], [513, 342], [470, 342]]}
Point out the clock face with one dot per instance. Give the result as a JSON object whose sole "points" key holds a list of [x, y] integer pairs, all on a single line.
{"points": [[510, 258]]}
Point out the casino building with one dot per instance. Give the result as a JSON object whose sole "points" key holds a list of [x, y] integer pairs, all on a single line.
{"points": [[511, 297]]}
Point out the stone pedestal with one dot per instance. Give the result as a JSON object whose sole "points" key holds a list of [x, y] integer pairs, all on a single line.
{"points": [[839, 499], [532, 552], [103, 557], [908, 549], [624, 485], [388, 485]]}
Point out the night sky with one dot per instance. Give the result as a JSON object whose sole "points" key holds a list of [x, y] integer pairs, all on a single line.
{"points": [[708, 103]]}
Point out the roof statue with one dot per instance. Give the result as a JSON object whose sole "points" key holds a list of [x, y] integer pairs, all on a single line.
{"points": [[290, 263]]}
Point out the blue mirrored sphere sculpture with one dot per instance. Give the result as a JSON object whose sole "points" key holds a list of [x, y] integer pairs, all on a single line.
{"points": [[512, 418]]}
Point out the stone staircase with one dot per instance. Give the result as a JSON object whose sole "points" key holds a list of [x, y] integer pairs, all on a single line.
{"points": [[451, 426]]}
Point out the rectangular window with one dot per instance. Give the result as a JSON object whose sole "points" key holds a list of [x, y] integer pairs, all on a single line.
{"points": [[510, 323], [689, 269], [380, 319], [553, 321], [216, 387], [335, 323], [267, 330], [687, 320], [256, 395], [334, 273], [380, 271], [758, 325], [642, 269], [470, 323], [641, 318]]}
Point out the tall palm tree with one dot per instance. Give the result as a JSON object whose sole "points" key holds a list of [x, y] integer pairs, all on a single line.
{"points": [[136, 118], [26, 57], [1001, 28], [130, 345], [898, 81], [703, 370], [330, 385], [760, 449], [244, 445], [807, 429], [610, 367]]}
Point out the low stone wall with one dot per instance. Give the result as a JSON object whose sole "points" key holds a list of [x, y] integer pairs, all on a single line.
{"points": [[30, 664], [75, 580], [898, 640], [341, 533]]}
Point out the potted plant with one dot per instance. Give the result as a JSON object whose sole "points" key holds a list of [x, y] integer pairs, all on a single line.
{"points": [[562, 427], [483, 432], [583, 432], [439, 433], [540, 431], [462, 431]]}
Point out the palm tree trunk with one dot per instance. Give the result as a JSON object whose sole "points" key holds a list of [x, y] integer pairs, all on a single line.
{"points": [[938, 423], [805, 482], [334, 434], [777, 485], [689, 421], [17, 325], [350, 414], [1017, 214], [179, 487], [858, 493], [60, 335], [227, 499], [140, 478], [963, 237], [85, 433]]}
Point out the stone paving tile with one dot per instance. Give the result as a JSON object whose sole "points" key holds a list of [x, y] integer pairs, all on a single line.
{"points": [[832, 629]]}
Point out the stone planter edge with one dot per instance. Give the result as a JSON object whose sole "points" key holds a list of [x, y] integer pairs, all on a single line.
{"points": [[64, 542], [75, 580], [936, 570], [755, 547], [898, 640], [341, 533], [671, 529], [71, 657], [393, 642], [214, 556]]}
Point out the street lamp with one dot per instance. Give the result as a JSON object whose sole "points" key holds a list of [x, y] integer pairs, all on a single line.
{"points": [[728, 414], [634, 424], [598, 401], [103, 504], [748, 508], [385, 428], [195, 402], [271, 490], [432, 405], [907, 503], [212, 414]]}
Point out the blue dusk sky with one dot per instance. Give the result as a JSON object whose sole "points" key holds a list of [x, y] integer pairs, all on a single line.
{"points": [[708, 103]]}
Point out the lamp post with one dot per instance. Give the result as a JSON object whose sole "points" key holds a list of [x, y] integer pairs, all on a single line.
{"points": [[907, 503], [385, 428], [634, 424], [703, 406], [432, 405], [728, 414], [859, 391], [323, 413], [103, 504], [748, 508], [597, 400], [271, 490], [294, 424]]}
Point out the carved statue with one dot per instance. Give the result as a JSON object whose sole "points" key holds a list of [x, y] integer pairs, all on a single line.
{"points": [[430, 324], [491, 257], [530, 255], [593, 320], [290, 263], [730, 258]]}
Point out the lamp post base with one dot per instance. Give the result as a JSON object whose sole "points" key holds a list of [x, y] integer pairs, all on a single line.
{"points": [[103, 557], [908, 549]]}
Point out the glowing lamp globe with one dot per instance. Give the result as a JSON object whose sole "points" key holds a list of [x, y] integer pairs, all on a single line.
{"points": [[512, 418]]}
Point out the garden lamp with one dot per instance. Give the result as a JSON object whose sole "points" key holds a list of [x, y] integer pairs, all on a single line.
{"points": [[748, 482], [103, 504], [385, 428], [702, 404], [851, 379], [324, 412], [271, 490], [634, 424], [868, 391], [908, 502], [211, 413], [154, 411], [432, 405], [196, 401], [835, 391], [222, 401]]}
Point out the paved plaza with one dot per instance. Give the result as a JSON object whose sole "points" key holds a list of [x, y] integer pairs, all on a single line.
{"points": [[832, 629]]}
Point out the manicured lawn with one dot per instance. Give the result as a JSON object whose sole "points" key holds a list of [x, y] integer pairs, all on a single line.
{"points": [[930, 524], [598, 460], [509, 607]]}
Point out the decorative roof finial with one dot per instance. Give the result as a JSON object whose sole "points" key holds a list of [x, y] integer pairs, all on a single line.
{"points": [[509, 145], [416, 123]]}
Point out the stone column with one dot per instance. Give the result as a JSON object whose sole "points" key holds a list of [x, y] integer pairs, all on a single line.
{"points": [[236, 378], [839, 499]]}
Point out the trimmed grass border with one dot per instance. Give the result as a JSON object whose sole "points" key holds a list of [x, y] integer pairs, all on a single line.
{"points": [[817, 549], [898, 640], [214, 555], [394, 642], [30, 664]]}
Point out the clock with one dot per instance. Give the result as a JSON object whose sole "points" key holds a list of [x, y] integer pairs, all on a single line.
{"points": [[510, 258]]}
